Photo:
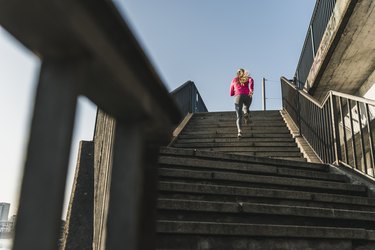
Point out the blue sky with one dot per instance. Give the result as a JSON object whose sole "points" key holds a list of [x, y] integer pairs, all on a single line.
{"points": [[207, 42], [204, 41]]}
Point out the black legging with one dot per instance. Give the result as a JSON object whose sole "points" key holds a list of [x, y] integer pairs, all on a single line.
{"points": [[240, 102]]}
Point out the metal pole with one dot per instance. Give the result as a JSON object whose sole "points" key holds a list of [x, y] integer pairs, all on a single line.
{"points": [[263, 94], [335, 129]]}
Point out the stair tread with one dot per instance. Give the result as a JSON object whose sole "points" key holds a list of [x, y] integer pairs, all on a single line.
{"points": [[244, 208], [242, 167], [238, 158], [235, 191], [258, 179], [226, 229]]}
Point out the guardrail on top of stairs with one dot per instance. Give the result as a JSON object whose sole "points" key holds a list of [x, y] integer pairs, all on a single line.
{"points": [[188, 98], [339, 129]]}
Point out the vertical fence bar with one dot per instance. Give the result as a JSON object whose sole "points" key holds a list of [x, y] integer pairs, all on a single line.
{"points": [[344, 131], [315, 124], [319, 135], [370, 138], [326, 133], [354, 151], [362, 143], [331, 133], [299, 112], [319, 130], [323, 151], [312, 40], [335, 128], [329, 128]]}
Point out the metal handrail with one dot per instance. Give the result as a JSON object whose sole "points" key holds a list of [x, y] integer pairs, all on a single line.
{"points": [[331, 92], [339, 128]]}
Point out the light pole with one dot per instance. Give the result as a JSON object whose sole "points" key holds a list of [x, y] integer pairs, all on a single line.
{"points": [[264, 93]]}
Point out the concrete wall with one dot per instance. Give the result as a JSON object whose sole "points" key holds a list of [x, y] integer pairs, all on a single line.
{"points": [[345, 60], [103, 139]]}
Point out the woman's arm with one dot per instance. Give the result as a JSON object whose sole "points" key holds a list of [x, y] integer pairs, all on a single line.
{"points": [[251, 86], [231, 89]]}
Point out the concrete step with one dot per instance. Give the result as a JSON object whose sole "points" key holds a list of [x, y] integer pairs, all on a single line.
{"points": [[227, 193], [238, 143], [245, 130], [219, 156], [256, 213], [233, 113], [249, 168], [220, 236], [248, 152], [204, 228], [301, 159], [232, 123], [220, 147], [210, 242], [259, 181], [233, 135], [248, 140], [232, 119], [229, 129]]}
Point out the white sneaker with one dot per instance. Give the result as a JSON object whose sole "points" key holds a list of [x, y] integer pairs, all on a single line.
{"points": [[239, 134]]}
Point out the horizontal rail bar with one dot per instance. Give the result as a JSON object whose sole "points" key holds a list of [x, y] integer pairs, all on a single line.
{"points": [[331, 92]]}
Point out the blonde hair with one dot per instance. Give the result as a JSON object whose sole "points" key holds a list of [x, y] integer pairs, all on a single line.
{"points": [[243, 76]]}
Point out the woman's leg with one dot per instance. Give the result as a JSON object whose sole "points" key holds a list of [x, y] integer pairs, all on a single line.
{"points": [[247, 103], [238, 106], [239, 116]]}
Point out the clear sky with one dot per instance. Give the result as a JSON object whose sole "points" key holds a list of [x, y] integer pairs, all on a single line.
{"points": [[204, 41]]}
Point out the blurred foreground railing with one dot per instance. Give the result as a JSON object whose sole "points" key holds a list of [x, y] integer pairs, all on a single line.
{"points": [[87, 49], [340, 129]]}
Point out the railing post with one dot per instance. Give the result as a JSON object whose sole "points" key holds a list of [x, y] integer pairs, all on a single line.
{"points": [[132, 203], [362, 143], [369, 129], [43, 186], [335, 128], [263, 94], [354, 147], [299, 113], [344, 131]]}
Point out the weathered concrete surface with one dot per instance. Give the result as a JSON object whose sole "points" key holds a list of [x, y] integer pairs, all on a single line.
{"points": [[265, 134], [79, 228], [350, 65], [103, 141], [208, 200]]}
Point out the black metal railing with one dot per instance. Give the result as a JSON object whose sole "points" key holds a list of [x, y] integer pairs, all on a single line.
{"points": [[318, 24], [188, 98], [340, 129]]}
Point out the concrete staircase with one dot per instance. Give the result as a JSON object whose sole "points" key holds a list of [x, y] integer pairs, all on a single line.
{"points": [[265, 135], [211, 198]]}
